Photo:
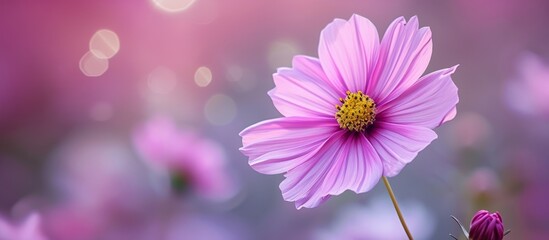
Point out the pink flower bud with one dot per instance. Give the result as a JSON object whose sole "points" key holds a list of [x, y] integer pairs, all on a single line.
{"points": [[486, 226]]}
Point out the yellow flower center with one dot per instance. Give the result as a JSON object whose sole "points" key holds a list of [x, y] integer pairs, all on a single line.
{"points": [[357, 112]]}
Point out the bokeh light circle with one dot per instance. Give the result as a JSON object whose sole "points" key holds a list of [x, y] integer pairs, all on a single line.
{"points": [[203, 76], [243, 79], [281, 52], [104, 44], [173, 5], [220, 109], [92, 66]]}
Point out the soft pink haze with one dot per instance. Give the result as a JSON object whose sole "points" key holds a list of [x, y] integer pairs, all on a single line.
{"points": [[28, 229], [356, 221]]}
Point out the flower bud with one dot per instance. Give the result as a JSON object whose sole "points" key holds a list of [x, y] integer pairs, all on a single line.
{"points": [[486, 226]]}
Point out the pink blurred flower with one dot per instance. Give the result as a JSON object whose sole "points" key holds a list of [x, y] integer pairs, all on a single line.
{"points": [[29, 229], [197, 161], [486, 226], [359, 111], [100, 186], [483, 182], [531, 86], [361, 222]]}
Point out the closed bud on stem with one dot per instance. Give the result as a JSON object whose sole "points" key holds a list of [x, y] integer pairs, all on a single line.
{"points": [[486, 226]]}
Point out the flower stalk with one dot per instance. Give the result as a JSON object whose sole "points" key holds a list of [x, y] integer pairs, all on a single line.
{"points": [[397, 208]]}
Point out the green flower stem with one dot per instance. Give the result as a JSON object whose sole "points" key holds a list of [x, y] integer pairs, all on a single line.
{"points": [[392, 195]]}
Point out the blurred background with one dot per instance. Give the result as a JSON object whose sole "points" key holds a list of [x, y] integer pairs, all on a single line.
{"points": [[120, 120]]}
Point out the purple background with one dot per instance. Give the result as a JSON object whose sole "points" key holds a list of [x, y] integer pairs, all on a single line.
{"points": [[493, 155]]}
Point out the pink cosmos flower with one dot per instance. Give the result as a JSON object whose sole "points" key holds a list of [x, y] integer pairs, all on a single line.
{"points": [[29, 229], [359, 111], [198, 161]]}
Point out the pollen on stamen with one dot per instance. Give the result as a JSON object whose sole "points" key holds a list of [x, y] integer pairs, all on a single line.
{"points": [[356, 112]]}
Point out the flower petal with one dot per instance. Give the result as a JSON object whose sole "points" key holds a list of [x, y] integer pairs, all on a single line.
{"points": [[304, 90], [398, 144], [359, 170], [404, 55], [348, 51], [345, 162], [278, 145], [429, 102]]}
